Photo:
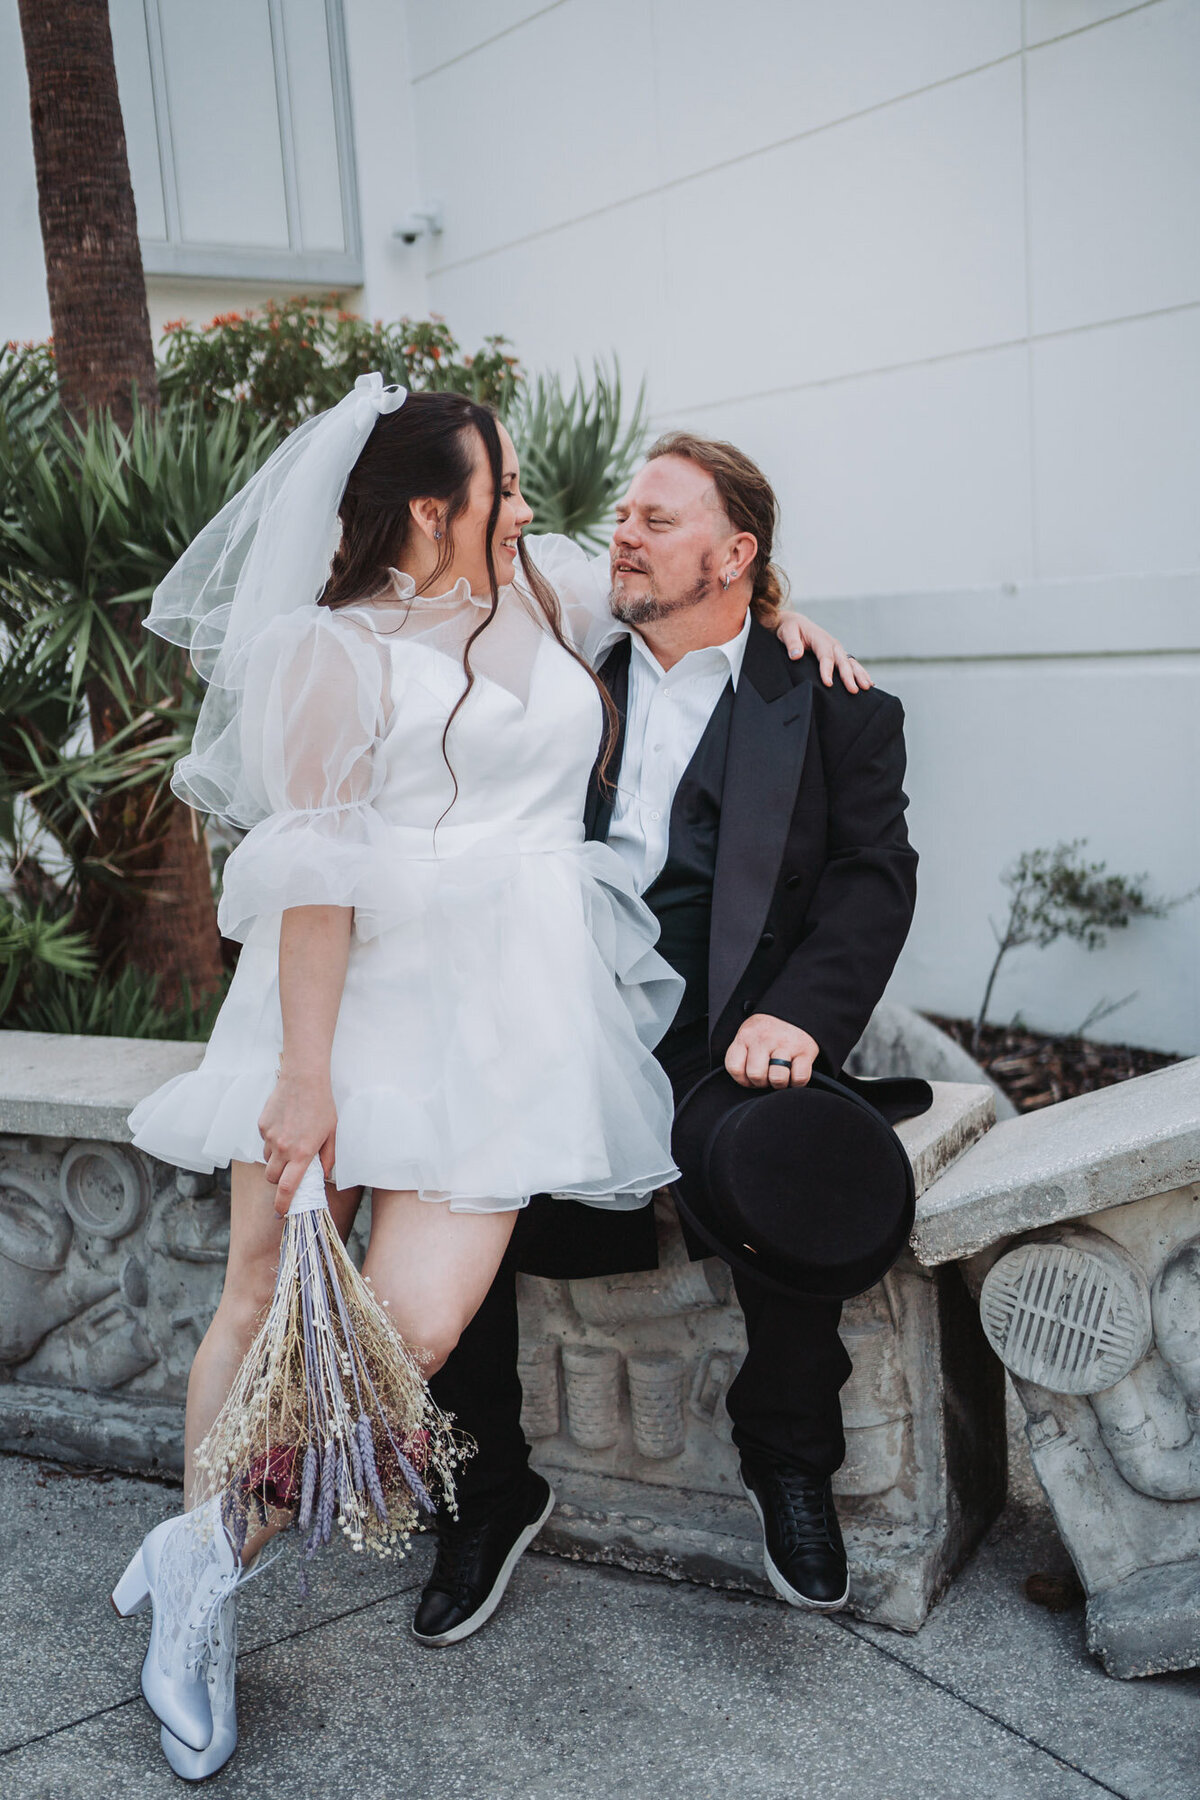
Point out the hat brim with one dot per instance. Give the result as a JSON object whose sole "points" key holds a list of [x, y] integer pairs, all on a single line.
{"points": [[808, 1191]]}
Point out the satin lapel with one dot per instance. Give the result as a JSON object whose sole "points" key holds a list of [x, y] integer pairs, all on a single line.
{"points": [[768, 736], [614, 673]]}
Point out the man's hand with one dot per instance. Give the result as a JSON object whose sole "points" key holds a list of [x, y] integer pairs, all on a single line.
{"points": [[748, 1058], [798, 634]]}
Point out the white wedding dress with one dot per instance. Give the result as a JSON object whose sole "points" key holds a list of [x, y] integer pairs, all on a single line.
{"points": [[503, 994]]}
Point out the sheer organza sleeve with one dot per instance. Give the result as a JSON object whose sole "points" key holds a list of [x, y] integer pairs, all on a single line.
{"points": [[313, 711], [582, 582]]}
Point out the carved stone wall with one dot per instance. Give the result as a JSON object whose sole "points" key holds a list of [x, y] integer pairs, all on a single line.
{"points": [[110, 1269], [1099, 1323], [111, 1266], [1089, 1293]]}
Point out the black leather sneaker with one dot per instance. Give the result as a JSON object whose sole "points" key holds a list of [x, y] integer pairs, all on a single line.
{"points": [[802, 1541], [474, 1563]]}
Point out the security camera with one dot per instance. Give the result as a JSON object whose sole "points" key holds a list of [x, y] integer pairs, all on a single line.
{"points": [[418, 225]]}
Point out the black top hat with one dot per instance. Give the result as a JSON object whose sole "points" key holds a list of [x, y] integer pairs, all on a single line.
{"points": [[806, 1189]]}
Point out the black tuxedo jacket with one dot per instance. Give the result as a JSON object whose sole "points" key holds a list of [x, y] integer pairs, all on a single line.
{"points": [[813, 894]]}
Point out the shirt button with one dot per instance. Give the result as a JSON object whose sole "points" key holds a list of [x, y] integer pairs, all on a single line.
{"points": [[655, 815]]}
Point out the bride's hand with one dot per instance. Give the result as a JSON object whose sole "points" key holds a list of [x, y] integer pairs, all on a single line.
{"points": [[298, 1122], [798, 634]]}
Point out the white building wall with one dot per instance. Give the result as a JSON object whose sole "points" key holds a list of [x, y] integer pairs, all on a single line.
{"points": [[936, 264]]}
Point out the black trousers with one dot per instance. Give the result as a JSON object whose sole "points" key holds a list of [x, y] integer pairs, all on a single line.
{"points": [[783, 1402]]}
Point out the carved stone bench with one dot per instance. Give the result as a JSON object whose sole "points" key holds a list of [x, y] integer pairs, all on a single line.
{"points": [[110, 1268]]}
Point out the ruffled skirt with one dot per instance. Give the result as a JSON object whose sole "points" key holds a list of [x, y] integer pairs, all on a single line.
{"points": [[494, 1040]]}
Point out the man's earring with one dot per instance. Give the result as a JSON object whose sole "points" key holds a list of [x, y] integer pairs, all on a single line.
{"points": [[725, 582]]}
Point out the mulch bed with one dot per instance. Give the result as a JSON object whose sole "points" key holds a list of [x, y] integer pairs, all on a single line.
{"points": [[1036, 1069]]}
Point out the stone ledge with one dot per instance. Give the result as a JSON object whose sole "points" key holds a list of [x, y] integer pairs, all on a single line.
{"points": [[59, 1086], [962, 1112], [1148, 1624], [1083, 1156], [110, 1431], [53, 1085]]}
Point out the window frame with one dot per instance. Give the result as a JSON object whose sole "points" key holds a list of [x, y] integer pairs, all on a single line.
{"points": [[173, 257]]}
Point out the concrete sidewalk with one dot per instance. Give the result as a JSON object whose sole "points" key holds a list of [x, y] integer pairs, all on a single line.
{"points": [[590, 1684]]}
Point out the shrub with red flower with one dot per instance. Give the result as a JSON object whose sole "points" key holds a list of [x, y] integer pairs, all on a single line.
{"points": [[295, 357]]}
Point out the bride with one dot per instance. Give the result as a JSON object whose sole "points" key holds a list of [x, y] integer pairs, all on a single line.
{"points": [[444, 992]]}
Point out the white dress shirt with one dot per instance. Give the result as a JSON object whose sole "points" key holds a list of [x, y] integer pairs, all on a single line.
{"points": [[665, 717], [667, 709]]}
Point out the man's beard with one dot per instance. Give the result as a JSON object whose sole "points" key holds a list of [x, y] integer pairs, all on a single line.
{"points": [[647, 608]]}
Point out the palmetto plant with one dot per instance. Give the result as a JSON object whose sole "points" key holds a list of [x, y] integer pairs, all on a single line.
{"points": [[577, 450], [93, 712]]}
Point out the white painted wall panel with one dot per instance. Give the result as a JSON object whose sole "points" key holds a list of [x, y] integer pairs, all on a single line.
{"points": [[1045, 19], [911, 480], [1114, 168], [441, 30], [1117, 447], [551, 122], [390, 183], [733, 80], [891, 238], [1010, 756], [590, 288]]}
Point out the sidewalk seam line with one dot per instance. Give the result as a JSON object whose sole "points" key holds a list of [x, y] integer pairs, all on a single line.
{"points": [[994, 1718], [42, 1737]]}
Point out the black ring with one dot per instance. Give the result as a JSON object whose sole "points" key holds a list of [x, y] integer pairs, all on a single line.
{"points": [[779, 1062]]}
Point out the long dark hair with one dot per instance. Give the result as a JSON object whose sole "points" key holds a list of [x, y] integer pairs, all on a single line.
{"points": [[423, 451]]}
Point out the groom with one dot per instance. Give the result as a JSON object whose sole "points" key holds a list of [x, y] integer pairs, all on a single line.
{"points": [[761, 815]]}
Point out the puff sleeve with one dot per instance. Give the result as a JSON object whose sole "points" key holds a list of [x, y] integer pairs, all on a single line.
{"points": [[582, 583], [313, 712]]}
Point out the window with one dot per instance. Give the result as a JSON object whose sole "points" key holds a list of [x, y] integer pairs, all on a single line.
{"points": [[237, 118]]}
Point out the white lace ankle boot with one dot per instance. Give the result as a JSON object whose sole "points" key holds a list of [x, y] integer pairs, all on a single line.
{"points": [[194, 1765], [186, 1569]]}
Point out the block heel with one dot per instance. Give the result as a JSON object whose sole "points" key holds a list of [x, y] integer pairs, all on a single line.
{"points": [[132, 1592]]}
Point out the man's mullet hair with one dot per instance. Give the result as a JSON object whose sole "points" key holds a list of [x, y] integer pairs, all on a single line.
{"points": [[749, 503]]}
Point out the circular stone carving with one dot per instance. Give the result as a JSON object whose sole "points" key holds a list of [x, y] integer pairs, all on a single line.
{"points": [[35, 1232], [105, 1199], [1072, 1316]]}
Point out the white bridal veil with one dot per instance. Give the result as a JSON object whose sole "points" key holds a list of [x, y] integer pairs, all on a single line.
{"points": [[267, 554]]}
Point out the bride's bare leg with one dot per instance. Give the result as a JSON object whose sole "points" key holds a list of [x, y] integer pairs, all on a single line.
{"points": [[433, 1267], [254, 1234]]}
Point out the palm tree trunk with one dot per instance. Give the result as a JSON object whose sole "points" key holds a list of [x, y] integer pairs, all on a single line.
{"points": [[104, 352], [98, 311]]}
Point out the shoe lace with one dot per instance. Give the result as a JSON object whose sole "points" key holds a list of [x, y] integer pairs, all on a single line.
{"points": [[802, 1509], [458, 1545]]}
